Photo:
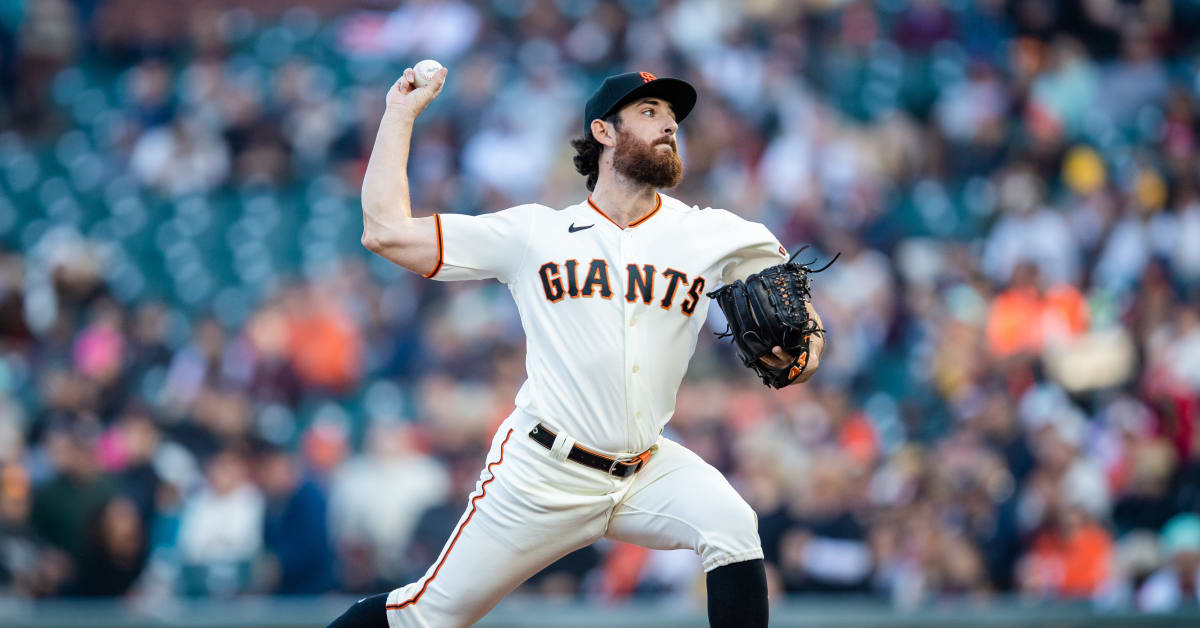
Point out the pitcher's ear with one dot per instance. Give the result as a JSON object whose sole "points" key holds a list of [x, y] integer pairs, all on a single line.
{"points": [[604, 132]]}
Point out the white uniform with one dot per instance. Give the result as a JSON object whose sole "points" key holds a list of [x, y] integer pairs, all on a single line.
{"points": [[611, 318]]}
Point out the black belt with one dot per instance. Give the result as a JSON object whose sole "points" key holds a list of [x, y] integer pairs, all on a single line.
{"points": [[619, 467]]}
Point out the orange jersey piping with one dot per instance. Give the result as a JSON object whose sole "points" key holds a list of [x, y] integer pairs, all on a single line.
{"points": [[437, 220], [657, 206]]}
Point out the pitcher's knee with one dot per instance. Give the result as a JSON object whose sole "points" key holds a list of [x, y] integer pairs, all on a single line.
{"points": [[732, 535]]}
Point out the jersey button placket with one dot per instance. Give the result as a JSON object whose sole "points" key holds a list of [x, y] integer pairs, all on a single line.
{"points": [[637, 386], [631, 357]]}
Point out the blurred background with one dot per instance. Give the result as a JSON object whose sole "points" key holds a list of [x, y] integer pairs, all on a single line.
{"points": [[211, 393]]}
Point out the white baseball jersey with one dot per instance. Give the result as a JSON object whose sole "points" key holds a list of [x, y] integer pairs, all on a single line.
{"points": [[611, 315], [611, 318]]}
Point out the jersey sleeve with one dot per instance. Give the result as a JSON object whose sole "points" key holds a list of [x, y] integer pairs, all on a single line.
{"points": [[485, 246], [754, 248]]}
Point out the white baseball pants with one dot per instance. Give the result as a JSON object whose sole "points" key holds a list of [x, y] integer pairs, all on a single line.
{"points": [[532, 506]]}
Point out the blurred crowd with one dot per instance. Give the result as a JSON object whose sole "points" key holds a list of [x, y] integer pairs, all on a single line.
{"points": [[207, 387]]}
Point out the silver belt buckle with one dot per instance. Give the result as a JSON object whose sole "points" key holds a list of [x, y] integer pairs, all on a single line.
{"points": [[616, 461]]}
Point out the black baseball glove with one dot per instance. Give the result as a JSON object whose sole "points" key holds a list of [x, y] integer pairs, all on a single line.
{"points": [[769, 309]]}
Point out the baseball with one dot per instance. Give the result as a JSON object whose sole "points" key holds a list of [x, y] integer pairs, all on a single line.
{"points": [[424, 70]]}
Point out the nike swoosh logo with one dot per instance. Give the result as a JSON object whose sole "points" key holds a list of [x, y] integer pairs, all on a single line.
{"points": [[573, 228]]}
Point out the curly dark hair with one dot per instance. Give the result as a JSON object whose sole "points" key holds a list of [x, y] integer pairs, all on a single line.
{"points": [[587, 154]]}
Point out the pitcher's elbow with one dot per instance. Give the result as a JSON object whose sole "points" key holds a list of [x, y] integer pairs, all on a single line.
{"points": [[372, 241]]}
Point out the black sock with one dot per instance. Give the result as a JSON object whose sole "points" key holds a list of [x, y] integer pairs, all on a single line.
{"points": [[369, 612], [737, 595]]}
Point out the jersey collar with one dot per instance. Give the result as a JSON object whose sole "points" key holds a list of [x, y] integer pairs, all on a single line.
{"points": [[657, 206]]}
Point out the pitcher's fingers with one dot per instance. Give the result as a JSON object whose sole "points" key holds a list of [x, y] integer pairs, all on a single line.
{"points": [[439, 80], [403, 85], [816, 345], [812, 312]]}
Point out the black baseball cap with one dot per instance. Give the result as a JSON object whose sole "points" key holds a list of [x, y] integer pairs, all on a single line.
{"points": [[620, 90]]}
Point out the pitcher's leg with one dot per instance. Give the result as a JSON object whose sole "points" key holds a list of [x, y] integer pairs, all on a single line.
{"points": [[679, 501], [476, 569], [737, 595], [521, 517], [526, 512], [490, 551], [368, 612]]}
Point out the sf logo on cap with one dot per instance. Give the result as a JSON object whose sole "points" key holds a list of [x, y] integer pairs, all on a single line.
{"points": [[647, 77]]}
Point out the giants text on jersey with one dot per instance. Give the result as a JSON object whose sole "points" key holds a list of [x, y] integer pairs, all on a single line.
{"points": [[611, 315]]}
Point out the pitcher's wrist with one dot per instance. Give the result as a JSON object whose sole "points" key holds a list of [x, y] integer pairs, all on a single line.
{"points": [[400, 114]]}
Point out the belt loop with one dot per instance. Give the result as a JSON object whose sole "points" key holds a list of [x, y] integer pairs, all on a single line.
{"points": [[562, 446]]}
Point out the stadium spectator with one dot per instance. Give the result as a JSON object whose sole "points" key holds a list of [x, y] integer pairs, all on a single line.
{"points": [[68, 501], [385, 526], [221, 529], [116, 552], [296, 528], [1170, 586]]}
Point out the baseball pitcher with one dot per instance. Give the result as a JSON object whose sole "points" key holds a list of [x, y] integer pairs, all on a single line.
{"points": [[612, 292]]}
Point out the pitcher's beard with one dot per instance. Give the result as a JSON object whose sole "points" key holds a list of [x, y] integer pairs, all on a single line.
{"points": [[646, 164]]}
